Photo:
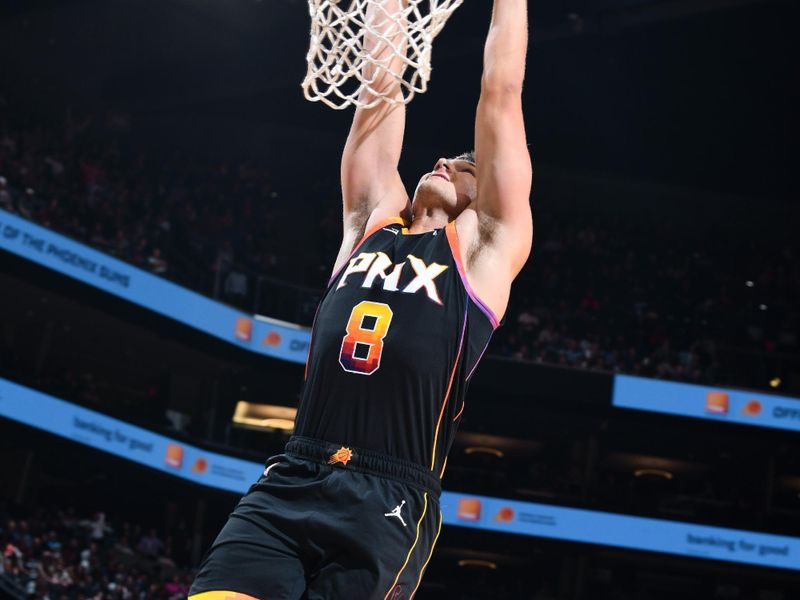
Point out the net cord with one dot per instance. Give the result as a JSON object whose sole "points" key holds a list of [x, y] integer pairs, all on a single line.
{"points": [[337, 61]]}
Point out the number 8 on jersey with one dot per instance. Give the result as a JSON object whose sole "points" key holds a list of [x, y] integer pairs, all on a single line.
{"points": [[363, 345]]}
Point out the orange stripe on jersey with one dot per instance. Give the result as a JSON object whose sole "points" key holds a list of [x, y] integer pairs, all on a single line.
{"points": [[221, 595], [410, 550], [377, 226], [447, 393]]}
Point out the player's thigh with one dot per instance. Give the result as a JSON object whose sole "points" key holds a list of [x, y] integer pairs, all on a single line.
{"points": [[385, 536], [246, 559], [393, 576]]}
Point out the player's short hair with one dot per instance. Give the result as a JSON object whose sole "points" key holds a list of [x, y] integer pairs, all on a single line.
{"points": [[468, 156]]}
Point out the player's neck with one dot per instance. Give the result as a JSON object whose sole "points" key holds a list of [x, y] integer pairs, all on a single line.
{"points": [[428, 219]]}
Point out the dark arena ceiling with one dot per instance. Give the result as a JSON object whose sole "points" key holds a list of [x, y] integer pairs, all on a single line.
{"points": [[690, 92]]}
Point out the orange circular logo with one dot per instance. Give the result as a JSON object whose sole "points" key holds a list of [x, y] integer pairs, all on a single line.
{"points": [[505, 514], [200, 465], [273, 338], [753, 407]]}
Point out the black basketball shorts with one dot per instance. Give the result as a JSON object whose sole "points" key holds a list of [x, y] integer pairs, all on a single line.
{"points": [[327, 521]]}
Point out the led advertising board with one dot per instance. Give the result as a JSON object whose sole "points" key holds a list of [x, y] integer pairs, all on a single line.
{"points": [[99, 431], [28, 240], [177, 458], [703, 402], [621, 531]]}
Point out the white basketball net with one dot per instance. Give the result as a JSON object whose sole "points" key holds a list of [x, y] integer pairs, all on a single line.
{"points": [[336, 56]]}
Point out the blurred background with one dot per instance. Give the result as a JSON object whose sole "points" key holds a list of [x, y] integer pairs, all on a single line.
{"points": [[169, 214]]}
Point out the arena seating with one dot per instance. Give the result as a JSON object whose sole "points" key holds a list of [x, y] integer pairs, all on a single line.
{"points": [[218, 227]]}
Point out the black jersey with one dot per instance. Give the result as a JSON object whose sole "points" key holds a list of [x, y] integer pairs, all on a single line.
{"points": [[395, 341]]}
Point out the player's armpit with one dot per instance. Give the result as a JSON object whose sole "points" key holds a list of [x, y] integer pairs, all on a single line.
{"points": [[353, 230], [358, 226]]}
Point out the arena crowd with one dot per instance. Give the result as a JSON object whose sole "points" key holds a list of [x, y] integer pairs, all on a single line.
{"points": [[610, 293], [58, 554]]}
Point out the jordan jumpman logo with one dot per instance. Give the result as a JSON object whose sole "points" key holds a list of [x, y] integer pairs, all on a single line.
{"points": [[396, 513]]}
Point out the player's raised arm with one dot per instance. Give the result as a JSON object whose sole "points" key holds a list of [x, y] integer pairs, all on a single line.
{"points": [[504, 165], [371, 184]]}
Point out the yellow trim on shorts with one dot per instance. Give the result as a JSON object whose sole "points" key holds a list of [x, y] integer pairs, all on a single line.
{"points": [[425, 566], [410, 550], [221, 595]]}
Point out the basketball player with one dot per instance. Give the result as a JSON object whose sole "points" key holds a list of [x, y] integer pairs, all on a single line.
{"points": [[351, 508]]}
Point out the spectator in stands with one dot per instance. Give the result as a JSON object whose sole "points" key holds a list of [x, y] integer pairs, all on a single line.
{"points": [[97, 527], [156, 262], [65, 562], [150, 545], [5, 196]]}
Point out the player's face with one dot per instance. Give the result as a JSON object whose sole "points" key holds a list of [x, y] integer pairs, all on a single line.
{"points": [[454, 180]]}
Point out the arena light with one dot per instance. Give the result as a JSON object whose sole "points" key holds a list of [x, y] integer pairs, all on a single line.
{"points": [[284, 424], [474, 562], [654, 473], [264, 416], [484, 450], [775, 382]]}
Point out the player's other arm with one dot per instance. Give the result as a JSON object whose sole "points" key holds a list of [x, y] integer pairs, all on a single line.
{"points": [[505, 227], [371, 184]]}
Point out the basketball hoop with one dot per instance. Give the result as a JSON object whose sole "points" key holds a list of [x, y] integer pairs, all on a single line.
{"points": [[337, 58]]}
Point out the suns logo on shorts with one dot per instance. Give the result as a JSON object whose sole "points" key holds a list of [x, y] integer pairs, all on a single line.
{"points": [[342, 455]]}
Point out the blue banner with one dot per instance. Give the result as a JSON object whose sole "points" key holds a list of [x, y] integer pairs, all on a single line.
{"points": [[174, 457], [621, 531], [273, 338], [712, 403], [122, 439]]}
